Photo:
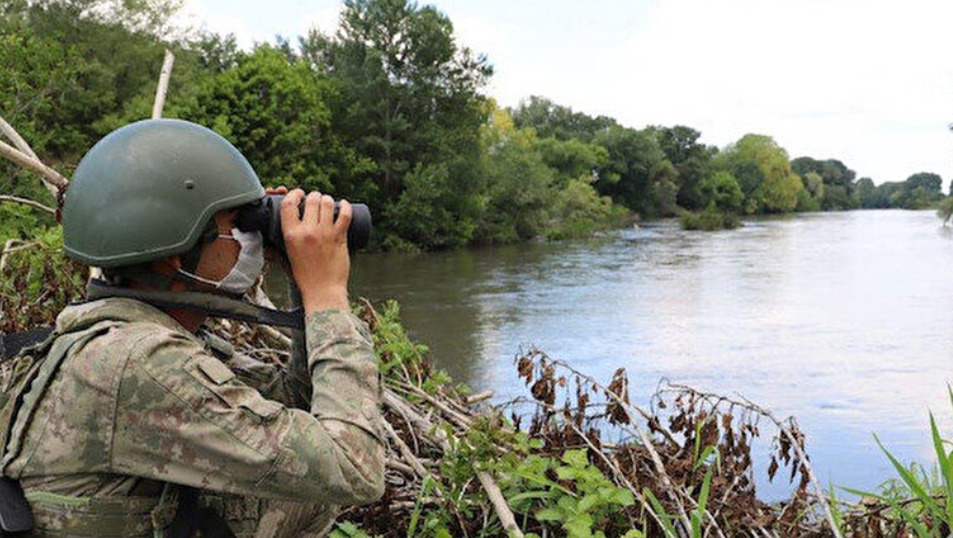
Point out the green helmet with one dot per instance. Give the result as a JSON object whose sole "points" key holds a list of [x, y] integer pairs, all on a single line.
{"points": [[147, 190]]}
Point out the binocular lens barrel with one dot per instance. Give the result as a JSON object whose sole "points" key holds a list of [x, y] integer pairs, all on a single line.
{"points": [[265, 216]]}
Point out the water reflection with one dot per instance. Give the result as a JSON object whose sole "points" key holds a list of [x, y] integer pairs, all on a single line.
{"points": [[840, 319]]}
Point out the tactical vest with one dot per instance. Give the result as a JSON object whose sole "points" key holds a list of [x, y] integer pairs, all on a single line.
{"points": [[24, 380]]}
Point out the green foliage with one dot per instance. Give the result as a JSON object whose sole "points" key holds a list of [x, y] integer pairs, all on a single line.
{"points": [[945, 211], [921, 499], [578, 211], [837, 182], [627, 174], [919, 191], [709, 220], [519, 184], [392, 345], [569, 492], [721, 189], [277, 113], [346, 529], [763, 172], [430, 211], [20, 222], [37, 282], [409, 103], [865, 193], [550, 120], [572, 158], [690, 159]]}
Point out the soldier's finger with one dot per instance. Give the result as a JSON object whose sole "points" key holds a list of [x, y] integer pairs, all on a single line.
{"points": [[344, 217], [327, 210], [290, 218], [312, 209]]}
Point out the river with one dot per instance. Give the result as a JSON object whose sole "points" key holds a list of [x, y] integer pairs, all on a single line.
{"points": [[844, 320]]}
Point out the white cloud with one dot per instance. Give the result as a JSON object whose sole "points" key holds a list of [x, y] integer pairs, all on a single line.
{"points": [[324, 20]]}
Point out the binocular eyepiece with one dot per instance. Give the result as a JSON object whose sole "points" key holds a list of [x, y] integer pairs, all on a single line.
{"points": [[265, 216]]}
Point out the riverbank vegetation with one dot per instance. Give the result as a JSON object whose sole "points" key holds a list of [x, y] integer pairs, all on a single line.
{"points": [[388, 109]]}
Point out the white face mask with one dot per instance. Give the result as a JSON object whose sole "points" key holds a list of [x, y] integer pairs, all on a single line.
{"points": [[251, 260]]}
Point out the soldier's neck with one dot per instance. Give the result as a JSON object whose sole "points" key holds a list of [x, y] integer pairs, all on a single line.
{"points": [[189, 319]]}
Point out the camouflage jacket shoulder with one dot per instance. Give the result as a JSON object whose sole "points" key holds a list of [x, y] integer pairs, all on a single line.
{"points": [[149, 401]]}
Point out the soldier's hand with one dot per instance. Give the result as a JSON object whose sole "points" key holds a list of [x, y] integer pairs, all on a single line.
{"points": [[317, 248]]}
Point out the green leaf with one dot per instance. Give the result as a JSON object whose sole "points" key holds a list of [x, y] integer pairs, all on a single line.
{"points": [[661, 514], [911, 481], [945, 469], [579, 526], [587, 502], [549, 514], [531, 495], [576, 458]]}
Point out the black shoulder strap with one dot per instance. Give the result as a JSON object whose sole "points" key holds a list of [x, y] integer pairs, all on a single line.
{"points": [[13, 343], [216, 306]]}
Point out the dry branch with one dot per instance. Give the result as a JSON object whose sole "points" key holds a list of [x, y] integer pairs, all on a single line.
{"points": [[17, 140], [28, 202], [499, 504], [51, 178]]}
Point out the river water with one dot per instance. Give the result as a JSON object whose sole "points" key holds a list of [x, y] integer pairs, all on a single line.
{"points": [[844, 320]]}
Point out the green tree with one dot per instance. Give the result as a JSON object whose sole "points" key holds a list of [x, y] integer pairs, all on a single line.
{"points": [[556, 121], [519, 185], [763, 172], [838, 181], [721, 190], [928, 181], [578, 210], [664, 179], [409, 102], [627, 174], [277, 113], [690, 159], [571, 158], [865, 193]]}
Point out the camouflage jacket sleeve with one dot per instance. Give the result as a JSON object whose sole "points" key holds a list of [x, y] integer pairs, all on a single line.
{"points": [[290, 385], [184, 417]]}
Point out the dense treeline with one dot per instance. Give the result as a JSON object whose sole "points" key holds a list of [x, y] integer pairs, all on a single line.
{"points": [[388, 110]]}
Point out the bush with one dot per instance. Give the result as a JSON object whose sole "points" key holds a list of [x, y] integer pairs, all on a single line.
{"points": [[711, 219]]}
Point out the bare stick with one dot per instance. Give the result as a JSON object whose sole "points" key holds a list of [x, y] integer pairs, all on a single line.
{"points": [[51, 178], [163, 86], [499, 504], [17, 140], [479, 397], [425, 426], [26, 201], [405, 451]]}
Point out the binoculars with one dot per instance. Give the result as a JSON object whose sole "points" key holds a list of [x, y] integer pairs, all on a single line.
{"points": [[265, 216]]}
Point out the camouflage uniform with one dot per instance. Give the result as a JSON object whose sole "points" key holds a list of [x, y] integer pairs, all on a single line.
{"points": [[139, 403]]}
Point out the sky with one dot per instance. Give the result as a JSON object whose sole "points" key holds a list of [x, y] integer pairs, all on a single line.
{"points": [[868, 82]]}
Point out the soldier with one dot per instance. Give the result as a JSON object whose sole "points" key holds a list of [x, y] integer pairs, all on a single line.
{"points": [[138, 423]]}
